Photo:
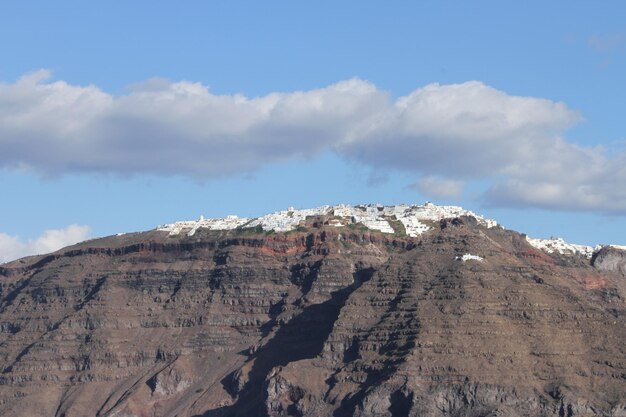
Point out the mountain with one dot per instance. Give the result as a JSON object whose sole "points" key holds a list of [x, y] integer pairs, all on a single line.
{"points": [[335, 311]]}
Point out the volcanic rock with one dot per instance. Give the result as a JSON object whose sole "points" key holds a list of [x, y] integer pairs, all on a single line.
{"points": [[324, 319]]}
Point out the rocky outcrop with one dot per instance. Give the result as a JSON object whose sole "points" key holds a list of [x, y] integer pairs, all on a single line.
{"points": [[611, 259], [318, 321]]}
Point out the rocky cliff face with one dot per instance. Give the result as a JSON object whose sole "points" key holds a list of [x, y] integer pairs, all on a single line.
{"points": [[319, 321]]}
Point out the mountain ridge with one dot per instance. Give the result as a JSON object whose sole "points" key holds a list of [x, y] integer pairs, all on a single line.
{"points": [[373, 216], [414, 219]]}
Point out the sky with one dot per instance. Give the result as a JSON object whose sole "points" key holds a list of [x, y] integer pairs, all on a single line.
{"points": [[120, 116]]}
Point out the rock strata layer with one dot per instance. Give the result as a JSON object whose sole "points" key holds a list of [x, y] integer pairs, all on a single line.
{"points": [[464, 319]]}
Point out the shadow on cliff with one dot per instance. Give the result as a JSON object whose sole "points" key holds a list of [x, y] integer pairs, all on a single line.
{"points": [[301, 338]]}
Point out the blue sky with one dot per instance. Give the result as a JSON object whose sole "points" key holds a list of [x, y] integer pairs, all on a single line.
{"points": [[119, 116]]}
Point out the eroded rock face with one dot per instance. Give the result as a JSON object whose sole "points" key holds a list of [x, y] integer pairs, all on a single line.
{"points": [[323, 321], [611, 259]]}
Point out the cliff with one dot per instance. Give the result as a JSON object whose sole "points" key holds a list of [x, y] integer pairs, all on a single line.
{"points": [[324, 319]]}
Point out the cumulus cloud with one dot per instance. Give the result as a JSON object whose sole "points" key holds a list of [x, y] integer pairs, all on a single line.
{"points": [[13, 247], [574, 179], [467, 129], [445, 134], [171, 128], [439, 188]]}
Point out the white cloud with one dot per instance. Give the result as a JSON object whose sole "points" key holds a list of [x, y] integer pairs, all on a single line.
{"points": [[439, 188], [13, 247], [576, 179], [171, 128], [445, 134], [468, 129]]}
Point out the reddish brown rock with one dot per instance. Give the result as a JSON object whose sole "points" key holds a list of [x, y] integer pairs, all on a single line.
{"points": [[323, 322]]}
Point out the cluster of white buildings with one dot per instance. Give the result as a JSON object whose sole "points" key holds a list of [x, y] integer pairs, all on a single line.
{"points": [[191, 226], [469, 257], [414, 218], [284, 221], [558, 245], [373, 216]]}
